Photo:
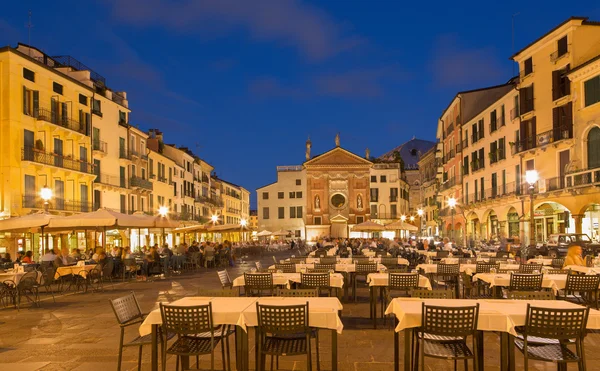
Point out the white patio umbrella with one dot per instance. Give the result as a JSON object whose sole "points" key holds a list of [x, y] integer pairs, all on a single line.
{"points": [[368, 226], [26, 222], [281, 232], [400, 225], [263, 233]]}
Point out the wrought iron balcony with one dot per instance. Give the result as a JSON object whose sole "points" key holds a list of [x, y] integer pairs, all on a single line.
{"points": [[100, 146], [53, 159], [583, 178], [137, 182], [60, 120], [111, 180], [542, 139], [56, 203]]}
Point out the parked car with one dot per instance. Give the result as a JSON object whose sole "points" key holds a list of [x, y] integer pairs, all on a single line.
{"points": [[558, 244]]}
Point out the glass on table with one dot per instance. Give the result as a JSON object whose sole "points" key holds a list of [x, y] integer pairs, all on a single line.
{"points": [[493, 270], [253, 270]]}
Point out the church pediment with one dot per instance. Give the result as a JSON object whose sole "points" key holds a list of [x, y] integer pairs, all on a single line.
{"points": [[339, 218], [336, 157]]}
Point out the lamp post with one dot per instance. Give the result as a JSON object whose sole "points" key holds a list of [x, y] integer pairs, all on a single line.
{"points": [[214, 218], [452, 204], [46, 195], [243, 224], [403, 218], [420, 212], [531, 177], [163, 211]]}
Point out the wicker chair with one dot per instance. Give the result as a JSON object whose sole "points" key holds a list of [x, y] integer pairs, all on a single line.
{"points": [[531, 295], [286, 268], [191, 324], [363, 270], [582, 289], [316, 281], [432, 294], [225, 279], [256, 283], [128, 313], [557, 328], [525, 282], [298, 293], [530, 268], [444, 331], [283, 331]]}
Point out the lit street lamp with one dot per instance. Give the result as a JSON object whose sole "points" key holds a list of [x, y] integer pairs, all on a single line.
{"points": [[163, 211], [214, 218], [531, 177], [46, 194], [243, 224], [420, 212], [452, 204]]}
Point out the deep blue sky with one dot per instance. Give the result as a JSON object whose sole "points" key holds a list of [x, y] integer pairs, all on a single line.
{"points": [[243, 83]]}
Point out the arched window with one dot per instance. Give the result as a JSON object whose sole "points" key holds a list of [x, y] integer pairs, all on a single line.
{"points": [[593, 148]]}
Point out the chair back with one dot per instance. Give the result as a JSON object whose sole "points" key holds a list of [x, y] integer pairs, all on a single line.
{"points": [[582, 283], [432, 294], [283, 319], [297, 260], [315, 280], [557, 271], [328, 260], [442, 254], [48, 274], [366, 268], [325, 266], [217, 293], [286, 268], [551, 323], [530, 268], [361, 259], [389, 262], [526, 282], [126, 308], [258, 281], [107, 268], [129, 262], [498, 260], [558, 263], [398, 269], [28, 281], [448, 269], [486, 267], [449, 321], [187, 320], [298, 293], [531, 295], [93, 274], [403, 281]]}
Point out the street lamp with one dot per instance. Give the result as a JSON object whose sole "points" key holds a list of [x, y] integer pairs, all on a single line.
{"points": [[452, 204], [214, 218], [243, 224], [420, 212], [163, 211], [531, 177], [46, 194], [403, 218]]}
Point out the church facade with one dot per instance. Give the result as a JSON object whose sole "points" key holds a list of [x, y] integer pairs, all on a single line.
{"points": [[338, 189]]}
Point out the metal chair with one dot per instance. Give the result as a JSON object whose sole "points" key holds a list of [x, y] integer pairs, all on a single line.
{"points": [[107, 272], [432, 294], [256, 283], [398, 269], [286, 268], [128, 313], [531, 295], [325, 266], [558, 328], [486, 267], [226, 281], [93, 279], [209, 258], [27, 288], [362, 270], [191, 324], [498, 260], [217, 293], [525, 282], [444, 331], [47, 279], [297, 260], [447, 275], [298, 293], [557, 271], [328, 260], [582, 289], [558, 263], [316, 281], [130, 268], [530, 268], [399, 282], [389, 262], [283, 331]]}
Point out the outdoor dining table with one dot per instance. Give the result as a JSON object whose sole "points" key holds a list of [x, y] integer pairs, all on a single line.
{"points": [[381, 281], [542, 261], [73, 270], [16, 277], [309, 260], [582, 269], [494, 315], [284, 279], [470, 269], [555, 282], [241, 312]]}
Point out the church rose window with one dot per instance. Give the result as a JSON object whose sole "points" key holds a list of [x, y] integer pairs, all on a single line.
{"points": [[338, 200]]}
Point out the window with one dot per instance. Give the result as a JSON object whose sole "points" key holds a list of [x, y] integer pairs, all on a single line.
{"points": [[57, 88], [292, 194], [515, 112], [526, 99], [465, 167], [317, 220], [373, 211], [528, 66], [374, 194], [393, 194], [373, 178], [298, 182], [593, 147], [592, 91], [383, 179], [360, 219], [502, 148], [280, 195], [298, 211], [83, 99], [31, 102], [265, 196], [28, 74], [122, 117], [501, 119], [123, 204], [292, 212], [561, 85], [298, 194], [281, 212], [96, 107], [493, 123], [563, 47], [562, 122]]}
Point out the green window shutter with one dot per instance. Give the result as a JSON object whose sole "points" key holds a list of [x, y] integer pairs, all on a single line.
{"points": [[25, 106], [36, 103]]}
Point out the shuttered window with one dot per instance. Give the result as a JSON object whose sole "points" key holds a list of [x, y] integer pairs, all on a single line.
{"points": [[592, 91]]}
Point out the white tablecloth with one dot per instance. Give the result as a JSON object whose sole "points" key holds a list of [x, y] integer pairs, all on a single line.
{"points": [[16, 277], [74, 270], [241, 311], [540, 261], [283, 279], [494, 315], [383, 279], [468, 268], [550, 281], [581, 269], [308, 260]]}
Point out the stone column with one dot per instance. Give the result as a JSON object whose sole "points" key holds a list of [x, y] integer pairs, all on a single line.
{"points": [[578, 222]]}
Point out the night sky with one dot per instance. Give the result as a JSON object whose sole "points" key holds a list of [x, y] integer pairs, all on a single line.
{"points": [[244, 83]]}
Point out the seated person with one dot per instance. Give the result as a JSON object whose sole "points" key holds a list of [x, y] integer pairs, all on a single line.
{"points": [[75, 254], [28, 258], [574, 256], [6, 258]]}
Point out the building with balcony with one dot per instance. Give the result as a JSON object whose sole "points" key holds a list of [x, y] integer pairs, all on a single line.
{"points": [[428, 167]]}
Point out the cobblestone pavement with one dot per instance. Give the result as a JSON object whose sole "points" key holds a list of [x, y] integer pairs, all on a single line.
{"points": [[79, 332]]}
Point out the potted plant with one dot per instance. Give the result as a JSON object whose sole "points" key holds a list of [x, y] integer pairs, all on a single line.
{"points": [[39, 145]]}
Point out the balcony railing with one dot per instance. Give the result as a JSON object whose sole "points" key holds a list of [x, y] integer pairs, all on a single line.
{"points": [[98, 145], [379, 215], [477, 164], [583, 178], [35, 202], [542, 139], [448, 184], [464, 144], [59, 120], [137, 182], [514, 113], [476, 136], [111, 180], [233, 211], [394, 198], [123, 153], [53, 159], [449, 156], [204, 179]]}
